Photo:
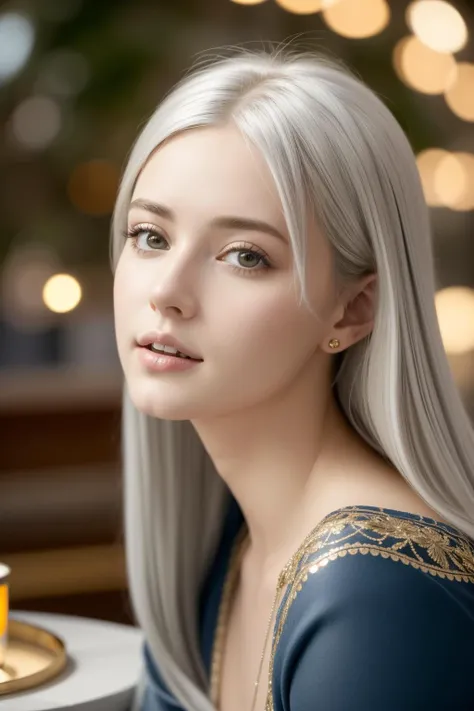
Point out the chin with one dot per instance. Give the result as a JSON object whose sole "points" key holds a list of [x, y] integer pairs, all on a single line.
{"points": [[151, 401]]}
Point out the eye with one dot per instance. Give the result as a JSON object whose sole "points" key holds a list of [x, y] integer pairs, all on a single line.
{"points": [[148, 234], [255, 252], [134, 234]]}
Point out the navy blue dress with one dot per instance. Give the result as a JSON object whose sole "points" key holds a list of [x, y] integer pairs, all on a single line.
{"points": [[378, 616]]}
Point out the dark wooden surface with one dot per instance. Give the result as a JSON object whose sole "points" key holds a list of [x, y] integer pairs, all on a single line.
{"points": [[112, 606], [36, 440], [60, 479]]}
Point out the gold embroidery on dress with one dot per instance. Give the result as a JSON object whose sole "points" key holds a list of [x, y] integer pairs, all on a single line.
{"points": [[447, 553]]}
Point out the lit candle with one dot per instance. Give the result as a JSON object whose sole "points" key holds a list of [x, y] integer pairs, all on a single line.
{"points": [[4, 575]]}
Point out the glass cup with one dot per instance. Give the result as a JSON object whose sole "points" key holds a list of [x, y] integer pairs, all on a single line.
{"points": [[4, 575]]}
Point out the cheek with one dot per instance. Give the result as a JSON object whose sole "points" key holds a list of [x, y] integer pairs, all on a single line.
{"points": [[123, 304], [118, 296], [268, 328], [287, 336]]}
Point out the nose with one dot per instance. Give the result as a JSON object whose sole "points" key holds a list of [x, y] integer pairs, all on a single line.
{"points": [[159, 305], [173, 290]]}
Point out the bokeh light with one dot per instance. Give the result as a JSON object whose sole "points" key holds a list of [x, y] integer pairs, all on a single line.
{"points": [[447, 178], [36, 122], [459, 94], [357, 19], [455, 310], [450, 180], [62, 293], [427, 162], [437, 24], [466, 201], [26, 269], [301, 7], [16, 43], [423, 69]]}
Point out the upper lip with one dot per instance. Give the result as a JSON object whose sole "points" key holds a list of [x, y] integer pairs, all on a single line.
{"points": [[166, 339]]}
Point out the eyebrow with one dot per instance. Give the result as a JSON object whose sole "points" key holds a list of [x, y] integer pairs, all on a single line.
{"points": [[224, 221]]}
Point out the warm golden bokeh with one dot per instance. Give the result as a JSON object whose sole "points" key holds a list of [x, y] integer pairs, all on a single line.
{"points": [[455, 310], [459, 94], [421, 68], [466, 201], [450, 180], [437, 24], [302, 7], [357, 18], [62, 293], [427, 162]]}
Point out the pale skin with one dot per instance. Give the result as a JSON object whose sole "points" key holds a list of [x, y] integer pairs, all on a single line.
{"points": [[261, 400]]}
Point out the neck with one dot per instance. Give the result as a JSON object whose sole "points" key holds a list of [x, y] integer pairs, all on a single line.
{"points": [[276, 460]]}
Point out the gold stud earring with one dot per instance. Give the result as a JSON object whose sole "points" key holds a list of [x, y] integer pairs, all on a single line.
{"points": [[334, 343]]}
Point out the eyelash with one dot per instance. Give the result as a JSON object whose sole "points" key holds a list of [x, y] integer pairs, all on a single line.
{"points": [[246, 247]]}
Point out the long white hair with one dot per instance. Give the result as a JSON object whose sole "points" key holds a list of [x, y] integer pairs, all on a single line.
{"points": [[334, 151]]}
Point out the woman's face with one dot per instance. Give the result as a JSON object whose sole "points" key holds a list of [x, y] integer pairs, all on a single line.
{"points": [[200, 280]]}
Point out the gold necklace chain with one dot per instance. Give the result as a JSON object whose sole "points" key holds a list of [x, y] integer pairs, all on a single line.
{"points": [[257, 683], [238, 550], [284, 578], [223, 614]]}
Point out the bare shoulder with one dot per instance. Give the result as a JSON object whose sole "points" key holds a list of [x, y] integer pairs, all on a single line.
{"points": [[398, 494], [359, 475], [383, 486]]}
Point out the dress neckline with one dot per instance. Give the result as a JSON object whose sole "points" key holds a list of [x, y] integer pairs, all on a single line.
{"points": [[396, 513], [238, 547], [242, 532]]}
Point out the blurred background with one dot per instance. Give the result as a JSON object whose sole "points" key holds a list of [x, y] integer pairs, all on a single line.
{"points": [[78, 78]]}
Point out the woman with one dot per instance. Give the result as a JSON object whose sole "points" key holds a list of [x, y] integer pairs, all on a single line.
{"points": [[299, 493]]}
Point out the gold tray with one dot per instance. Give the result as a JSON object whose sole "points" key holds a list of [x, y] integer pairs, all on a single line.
{"points": [[33, 656]]}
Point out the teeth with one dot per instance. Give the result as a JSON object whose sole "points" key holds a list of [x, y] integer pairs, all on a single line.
{"points": [[164, 349], [158, 348]]}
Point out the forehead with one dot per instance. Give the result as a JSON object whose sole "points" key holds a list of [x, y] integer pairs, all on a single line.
{"points": [[211, 165]]}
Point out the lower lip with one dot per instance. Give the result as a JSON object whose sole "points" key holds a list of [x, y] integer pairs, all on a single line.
{"points": [[160, 363]]}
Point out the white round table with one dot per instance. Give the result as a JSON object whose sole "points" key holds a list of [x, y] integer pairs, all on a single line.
{"points": [[104, 662]]}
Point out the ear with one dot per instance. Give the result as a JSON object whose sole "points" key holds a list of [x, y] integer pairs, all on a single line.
{"points": [[359, 303]]}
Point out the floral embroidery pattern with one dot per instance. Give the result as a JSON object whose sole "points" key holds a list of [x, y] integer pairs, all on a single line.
{"points": [[432, 547]]}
